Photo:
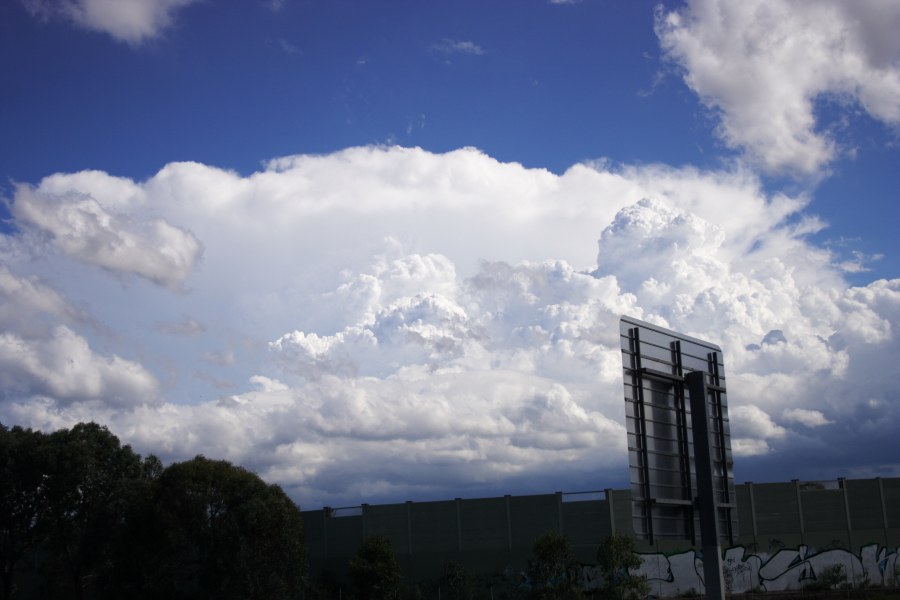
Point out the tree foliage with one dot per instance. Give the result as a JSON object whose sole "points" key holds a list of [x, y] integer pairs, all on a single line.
{"points": [[375, 572], [62, 499], [82, 516], [227, 533], [456, 583], [616, 558], [24, 464], [554, 570]]}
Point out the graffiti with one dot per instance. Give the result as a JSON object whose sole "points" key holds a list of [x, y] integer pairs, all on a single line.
{"points": [[591, 579], [745, 571]]}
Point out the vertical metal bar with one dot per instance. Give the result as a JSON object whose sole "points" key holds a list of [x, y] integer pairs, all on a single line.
{"points": [[843, 484], [721, 457], [612, 513], [459, 545], [687, 492], [326, 513], [796, 483], [883, 508], [638, 382], [508, 525], [706, 493], [364, 512], [559, 511], [409, 545], [752, 510]]}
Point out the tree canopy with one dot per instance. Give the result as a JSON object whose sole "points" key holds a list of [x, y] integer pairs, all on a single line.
{"points": [[554, 570], [617, 558], [375, 571], [82, 516]]}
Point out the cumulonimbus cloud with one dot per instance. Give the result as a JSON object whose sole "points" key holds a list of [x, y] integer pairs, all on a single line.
{"points": [[385, 311]]}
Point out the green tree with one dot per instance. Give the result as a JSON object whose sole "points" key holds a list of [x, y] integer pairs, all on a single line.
{"points": [[509, 584], [86, 488], [82, 516], [63, 497], [456, 583], [554, 570], [616, 558], [61, 501], [374, 570], [138, 542], [222, 532], [24, 463]]}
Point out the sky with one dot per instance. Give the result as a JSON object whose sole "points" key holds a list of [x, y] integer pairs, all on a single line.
{"points": [[378, 251]]}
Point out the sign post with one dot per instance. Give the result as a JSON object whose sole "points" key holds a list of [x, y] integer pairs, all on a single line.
{"points": [[706, 492]]}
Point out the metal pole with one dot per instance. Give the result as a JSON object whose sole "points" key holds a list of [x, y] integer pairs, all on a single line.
{"points": [[612, 513], [706, 494]]}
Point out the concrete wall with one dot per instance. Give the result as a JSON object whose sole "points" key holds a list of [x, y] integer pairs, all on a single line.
{"points": [[788, 532]]}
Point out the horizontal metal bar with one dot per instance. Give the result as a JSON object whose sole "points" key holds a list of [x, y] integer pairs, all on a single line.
{"points": [[654, 374], [671, 501]]}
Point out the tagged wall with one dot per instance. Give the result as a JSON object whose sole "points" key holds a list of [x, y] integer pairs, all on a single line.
{"points": [[789, 533], [745, 571]]}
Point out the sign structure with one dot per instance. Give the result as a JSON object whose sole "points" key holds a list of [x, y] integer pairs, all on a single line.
{"points": [[671, 381]]}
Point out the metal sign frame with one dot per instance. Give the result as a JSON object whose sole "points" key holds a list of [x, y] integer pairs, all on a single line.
{"points": [[670, 380]]}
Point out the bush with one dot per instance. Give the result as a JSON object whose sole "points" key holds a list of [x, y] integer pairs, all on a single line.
{"points": [[829, 578], [616, 558], [456, 583], [554, 570], [375, 571]]}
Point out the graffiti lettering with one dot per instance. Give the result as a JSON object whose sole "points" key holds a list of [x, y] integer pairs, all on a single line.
{"points": [[745, 571]]}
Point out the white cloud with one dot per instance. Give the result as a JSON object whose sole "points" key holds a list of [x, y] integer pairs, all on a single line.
{"points": [[745, 448], [372, 314], [41, 357], [751, 421], [751, 430], [97, 228], [131, 21], [224, 358], [859, 262], [283, 45], [808, 418], [447, 46], [762, 66], [64, 368], [186, 326], [26, 299]]}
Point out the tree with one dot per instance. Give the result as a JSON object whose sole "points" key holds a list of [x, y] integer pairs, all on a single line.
{"points": [[222, 532], [616, 558], [61, 499], [375, 571], [86, 488], [24, 463], [456, 583], [137, 544], [554, 570], [82, 516]]}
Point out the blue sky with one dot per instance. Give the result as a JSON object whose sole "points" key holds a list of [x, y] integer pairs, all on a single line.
{"points": [[376, 251], [546, 85], [235, 84]]}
